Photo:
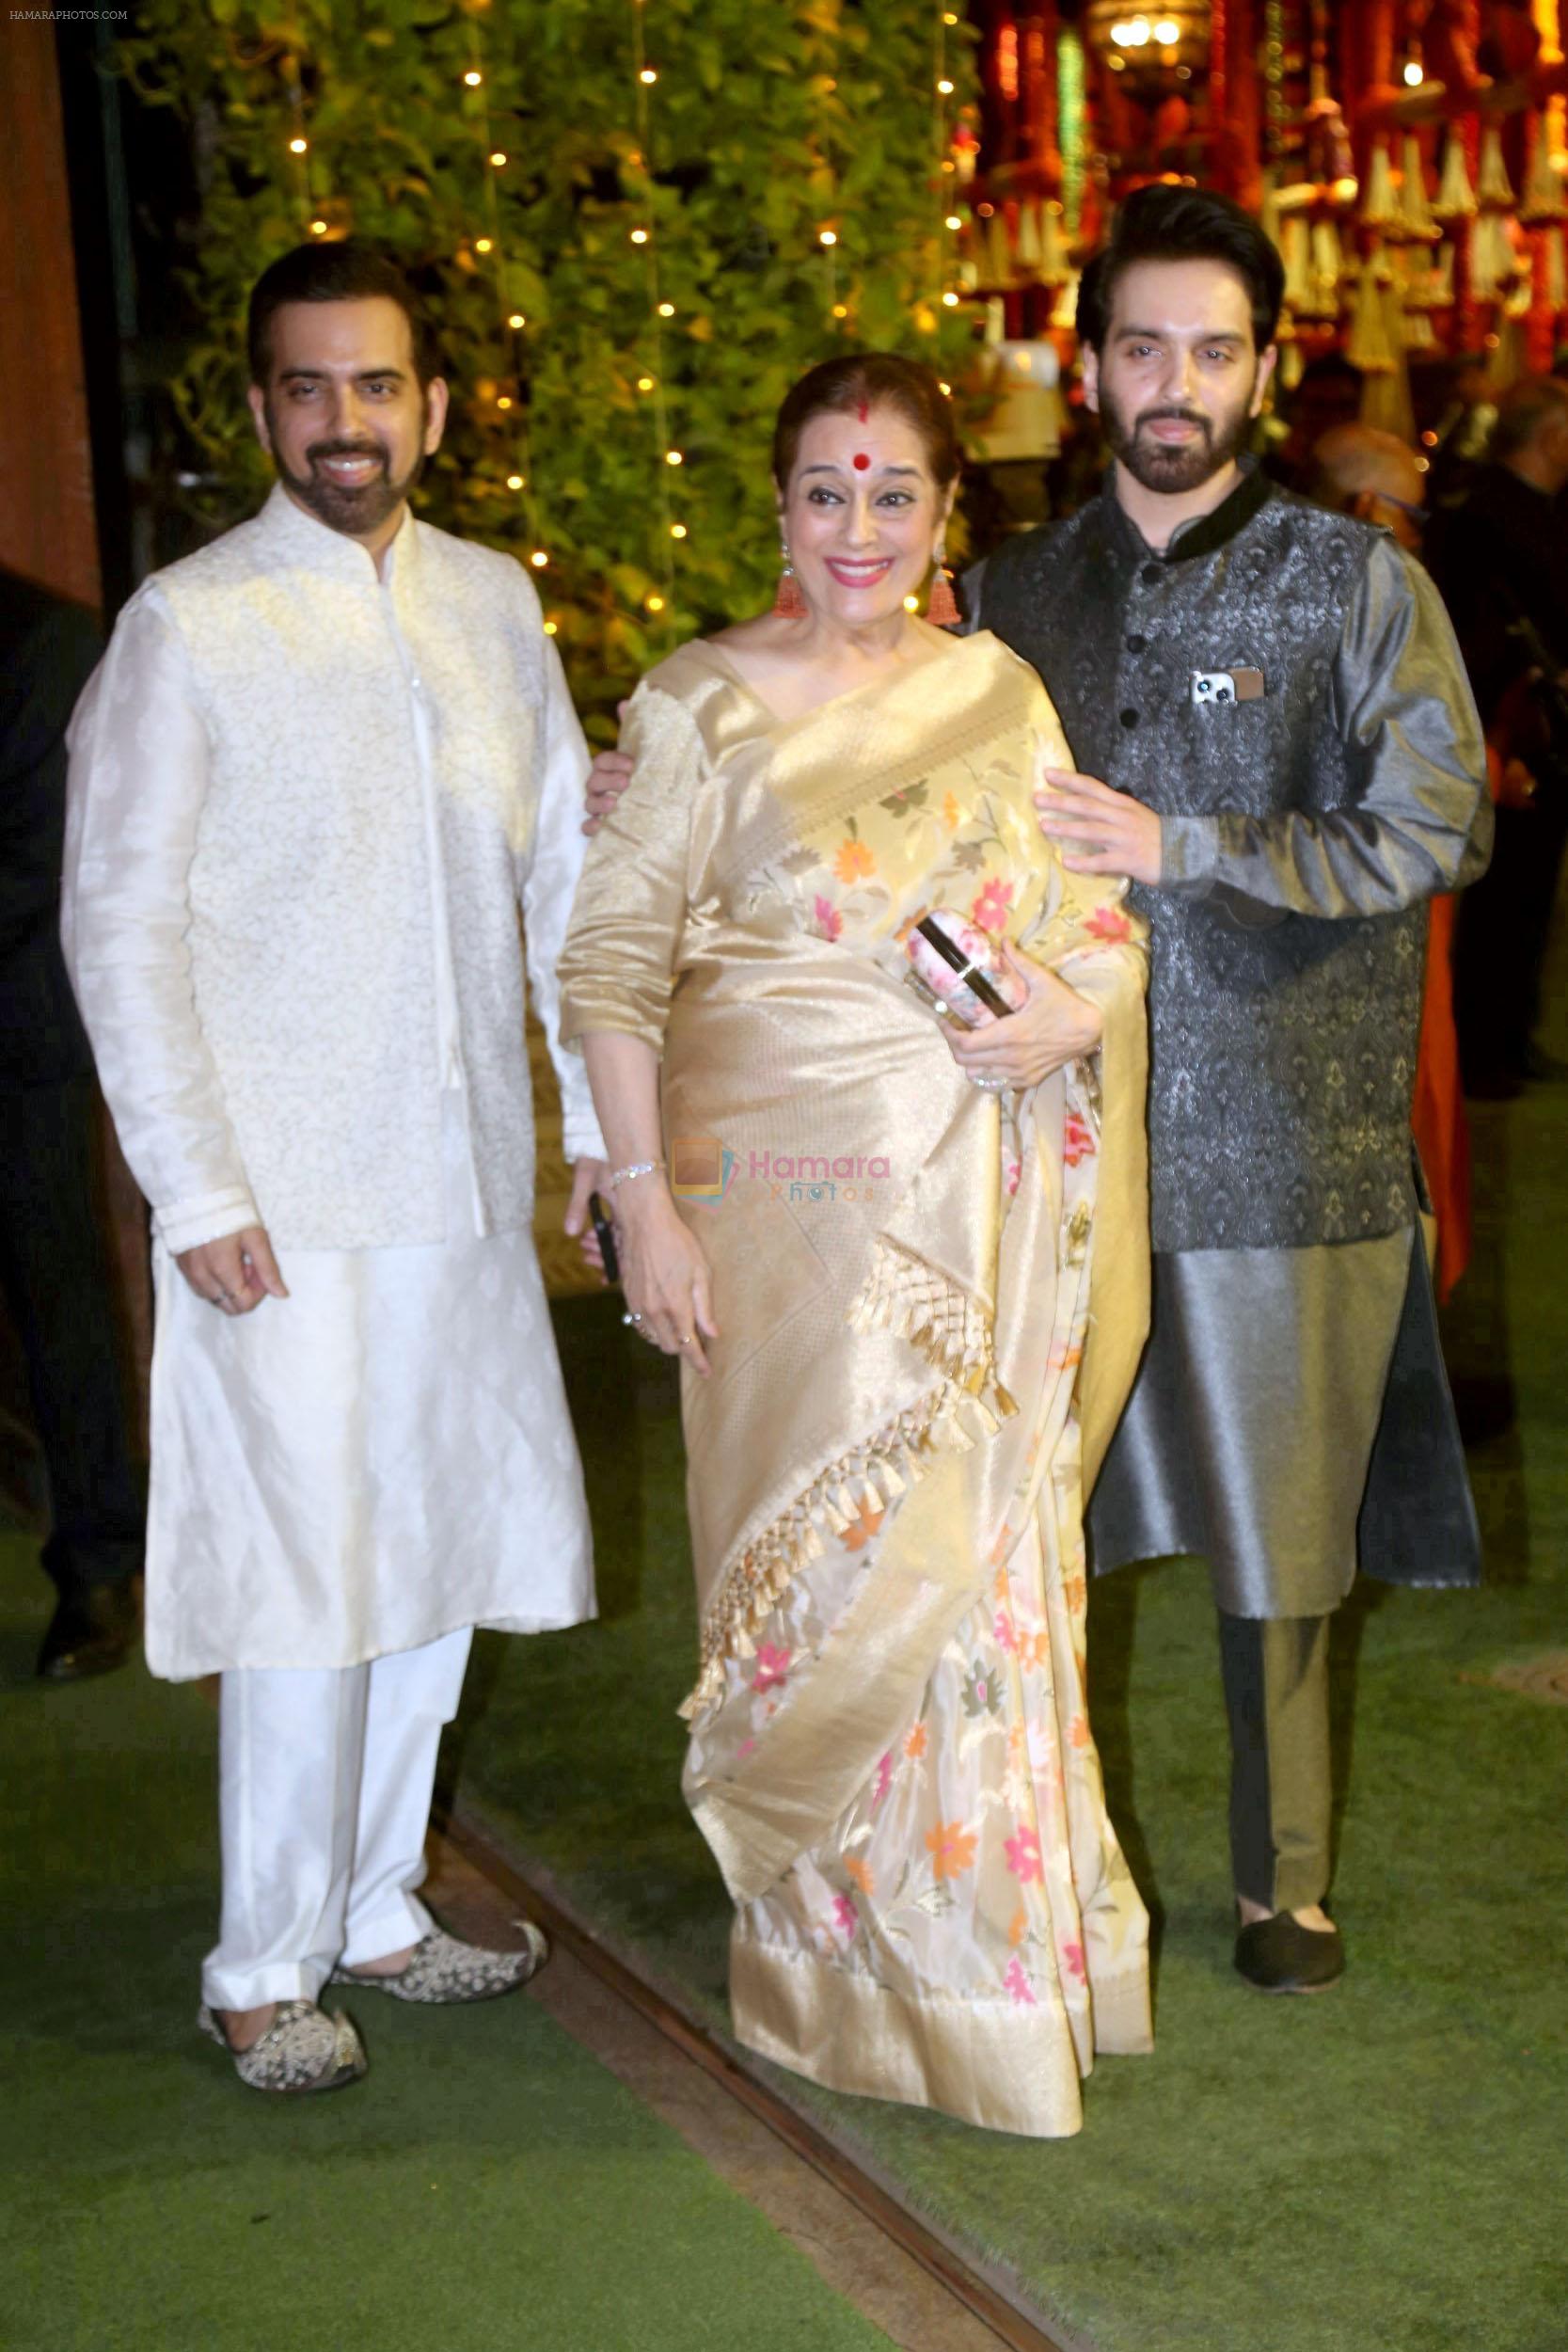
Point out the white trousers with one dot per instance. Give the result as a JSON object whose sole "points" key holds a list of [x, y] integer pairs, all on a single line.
{"points": [[324, 1781]]}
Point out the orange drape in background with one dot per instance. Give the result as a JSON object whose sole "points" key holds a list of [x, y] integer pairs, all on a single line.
{"points": [[1442, 1135], [47, 528]]}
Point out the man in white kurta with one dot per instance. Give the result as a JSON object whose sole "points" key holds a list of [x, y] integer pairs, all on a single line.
{"points": [[315, 774]]}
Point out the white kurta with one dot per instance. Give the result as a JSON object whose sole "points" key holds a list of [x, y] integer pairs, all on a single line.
{"points": [[378, 1460], [386, 1455]]}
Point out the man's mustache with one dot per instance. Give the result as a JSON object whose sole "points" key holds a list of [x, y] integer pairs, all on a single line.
{"points": [[1174, 416], [319, 450]]}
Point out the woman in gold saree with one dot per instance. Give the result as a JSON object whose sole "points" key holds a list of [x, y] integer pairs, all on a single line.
{"points": [[909, 1306]]}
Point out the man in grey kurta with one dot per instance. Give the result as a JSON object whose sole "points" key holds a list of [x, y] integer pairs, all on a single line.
{"points": [[1281, 749]]}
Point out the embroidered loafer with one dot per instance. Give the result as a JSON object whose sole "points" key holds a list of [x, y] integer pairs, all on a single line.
{"points": [[1280, 1955], [440, 1970], [305, 2048]]}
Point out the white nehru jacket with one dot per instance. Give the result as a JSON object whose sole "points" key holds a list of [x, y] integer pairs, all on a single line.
{"points": [[249, 910]]}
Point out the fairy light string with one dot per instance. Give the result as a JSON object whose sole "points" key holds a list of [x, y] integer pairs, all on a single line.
{"points": [[301, 157], [941, 91], [299, 144], [645, 237], [488, 255], [946, 175], [822, 80], [482, 250]]}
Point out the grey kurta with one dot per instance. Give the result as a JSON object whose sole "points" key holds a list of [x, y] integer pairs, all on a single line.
{"points": [[1293, 1395]]}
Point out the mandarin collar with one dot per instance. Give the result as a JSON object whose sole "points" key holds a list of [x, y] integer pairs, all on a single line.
{"points": [[315, 545], [1204, 533]]}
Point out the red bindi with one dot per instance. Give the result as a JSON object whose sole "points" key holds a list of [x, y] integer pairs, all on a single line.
{"points": [[861, 461]]}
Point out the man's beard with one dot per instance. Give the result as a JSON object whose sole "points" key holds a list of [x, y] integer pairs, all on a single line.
{"points": [[1158, 466], [357, 508]]}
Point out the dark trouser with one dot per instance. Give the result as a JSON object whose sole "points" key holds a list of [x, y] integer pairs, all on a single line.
{"points": [[1501, 943], [56, 1273], [1275, 1675]]}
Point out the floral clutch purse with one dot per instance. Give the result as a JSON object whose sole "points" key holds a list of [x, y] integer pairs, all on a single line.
{"points": [[954, 965]]}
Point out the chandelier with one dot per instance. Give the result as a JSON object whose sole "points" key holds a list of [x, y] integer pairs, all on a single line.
{"points": [[1167, 43]]}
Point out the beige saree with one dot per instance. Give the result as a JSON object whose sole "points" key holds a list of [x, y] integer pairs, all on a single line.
{"points": [[931, 1302]]}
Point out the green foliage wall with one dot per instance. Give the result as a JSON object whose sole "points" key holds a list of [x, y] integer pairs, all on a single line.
{"points": [[768, 120]]}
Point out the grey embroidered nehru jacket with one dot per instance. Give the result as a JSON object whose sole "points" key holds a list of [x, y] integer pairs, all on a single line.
{"points": [[1309, 813]]}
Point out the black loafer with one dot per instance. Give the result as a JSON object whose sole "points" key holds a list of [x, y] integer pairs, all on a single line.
{"points": [[91, 1634], [1280, 1955]]}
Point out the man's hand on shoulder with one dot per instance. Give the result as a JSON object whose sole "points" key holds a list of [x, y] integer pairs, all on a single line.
{"points": [[236, 1274], [1099, 831], [608, 779]]}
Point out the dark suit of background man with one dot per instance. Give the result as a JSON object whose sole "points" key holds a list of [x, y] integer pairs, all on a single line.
{"points": [[55, 1265], [1503, 565]]}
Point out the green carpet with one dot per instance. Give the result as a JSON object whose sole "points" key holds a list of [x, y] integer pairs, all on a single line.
{"points": [[491, 2188], [1382, 2168]]}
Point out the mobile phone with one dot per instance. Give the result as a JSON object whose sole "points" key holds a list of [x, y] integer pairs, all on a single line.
{"points": [[605, 1233]]}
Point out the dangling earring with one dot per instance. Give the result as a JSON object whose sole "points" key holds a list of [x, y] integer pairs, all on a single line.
{"points": [[789, 604], [941, 608]]}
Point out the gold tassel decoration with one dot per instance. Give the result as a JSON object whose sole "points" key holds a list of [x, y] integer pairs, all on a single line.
{"points": [[1455, 198], [953, 1331], [1385, 398], [756, 1581], [1328, 269], [1369, 347], [1415, 216], [949, 1327], [1064, 310], [1542, 201], [1296, 252], [1425, 286], [1483, 268], [1493, 185], [1377, 206], [1554, 275], [1493, 264]]}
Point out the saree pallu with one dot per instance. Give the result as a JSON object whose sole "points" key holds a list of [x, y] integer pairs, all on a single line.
{"points": [[931, 1303]]}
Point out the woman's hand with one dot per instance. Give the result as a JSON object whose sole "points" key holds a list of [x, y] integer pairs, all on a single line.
{"points": [[664, 1275], [1054, 1026]]}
